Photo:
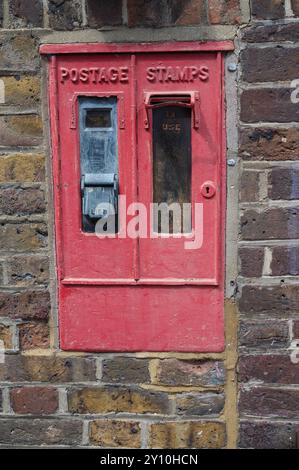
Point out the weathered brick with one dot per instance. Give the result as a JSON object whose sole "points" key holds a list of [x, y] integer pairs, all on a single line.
{"points": [[199, 404], [257, 64], [115, 433], [117, 399], [17, 200], [266, 335], [23, 167], [268, 435], [18, 431], [6, 335], [273, 402], [104, 13], [126, 370], [19, 51], [272, 32], [269, 144], [284, 183], [268, 369], [24, 130], [249, 187], [188, 373], [188, 434], [23, 91], [285, 261], [269, 105], [251, 261], [156, 13], [25, 305], [274, 223], [34, 335], [52, 369], [65, 14], [268, 9], [23, 237], [26, 13], [225, 12], [34, 400], [269, 299], [296, 329], [295, 7], [28, 270]]}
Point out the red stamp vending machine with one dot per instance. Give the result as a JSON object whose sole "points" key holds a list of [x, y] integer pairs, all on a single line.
{"points": [[138, 153]]}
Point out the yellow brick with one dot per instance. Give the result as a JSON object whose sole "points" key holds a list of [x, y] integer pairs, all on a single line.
{"points": [[22, 168], [187, 434], [115, 433], [118, 400], [6, 336], [24, 91]]}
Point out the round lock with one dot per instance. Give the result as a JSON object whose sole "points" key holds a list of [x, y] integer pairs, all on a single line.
{"points": [[208, 189]]}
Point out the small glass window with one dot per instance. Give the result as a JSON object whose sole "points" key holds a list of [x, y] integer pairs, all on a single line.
{"points": [[172, 166], [98, 118]]}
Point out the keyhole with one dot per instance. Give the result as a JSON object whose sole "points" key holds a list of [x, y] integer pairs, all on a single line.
{"points": [[208, 189]]}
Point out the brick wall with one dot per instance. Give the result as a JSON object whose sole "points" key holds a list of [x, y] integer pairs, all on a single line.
{"points": [[269, 228], [48, 397]]}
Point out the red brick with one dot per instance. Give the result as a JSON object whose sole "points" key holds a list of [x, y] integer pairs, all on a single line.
{"points": [[284, 183], [268, 9], [190, 373], [271, 402], [156, 13], [34, 400], [285, 261], [249, 188], [34, 335], [251, 261], [257, 64], [225, 12], [269, 144], [271, 369], [269, 105], [269, 299], [268, 435], [272, 32], [266, 334], [29, 305], [270, 224]]}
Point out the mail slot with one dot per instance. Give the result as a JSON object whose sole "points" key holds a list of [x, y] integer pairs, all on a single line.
{"points": [[138, 152]]}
